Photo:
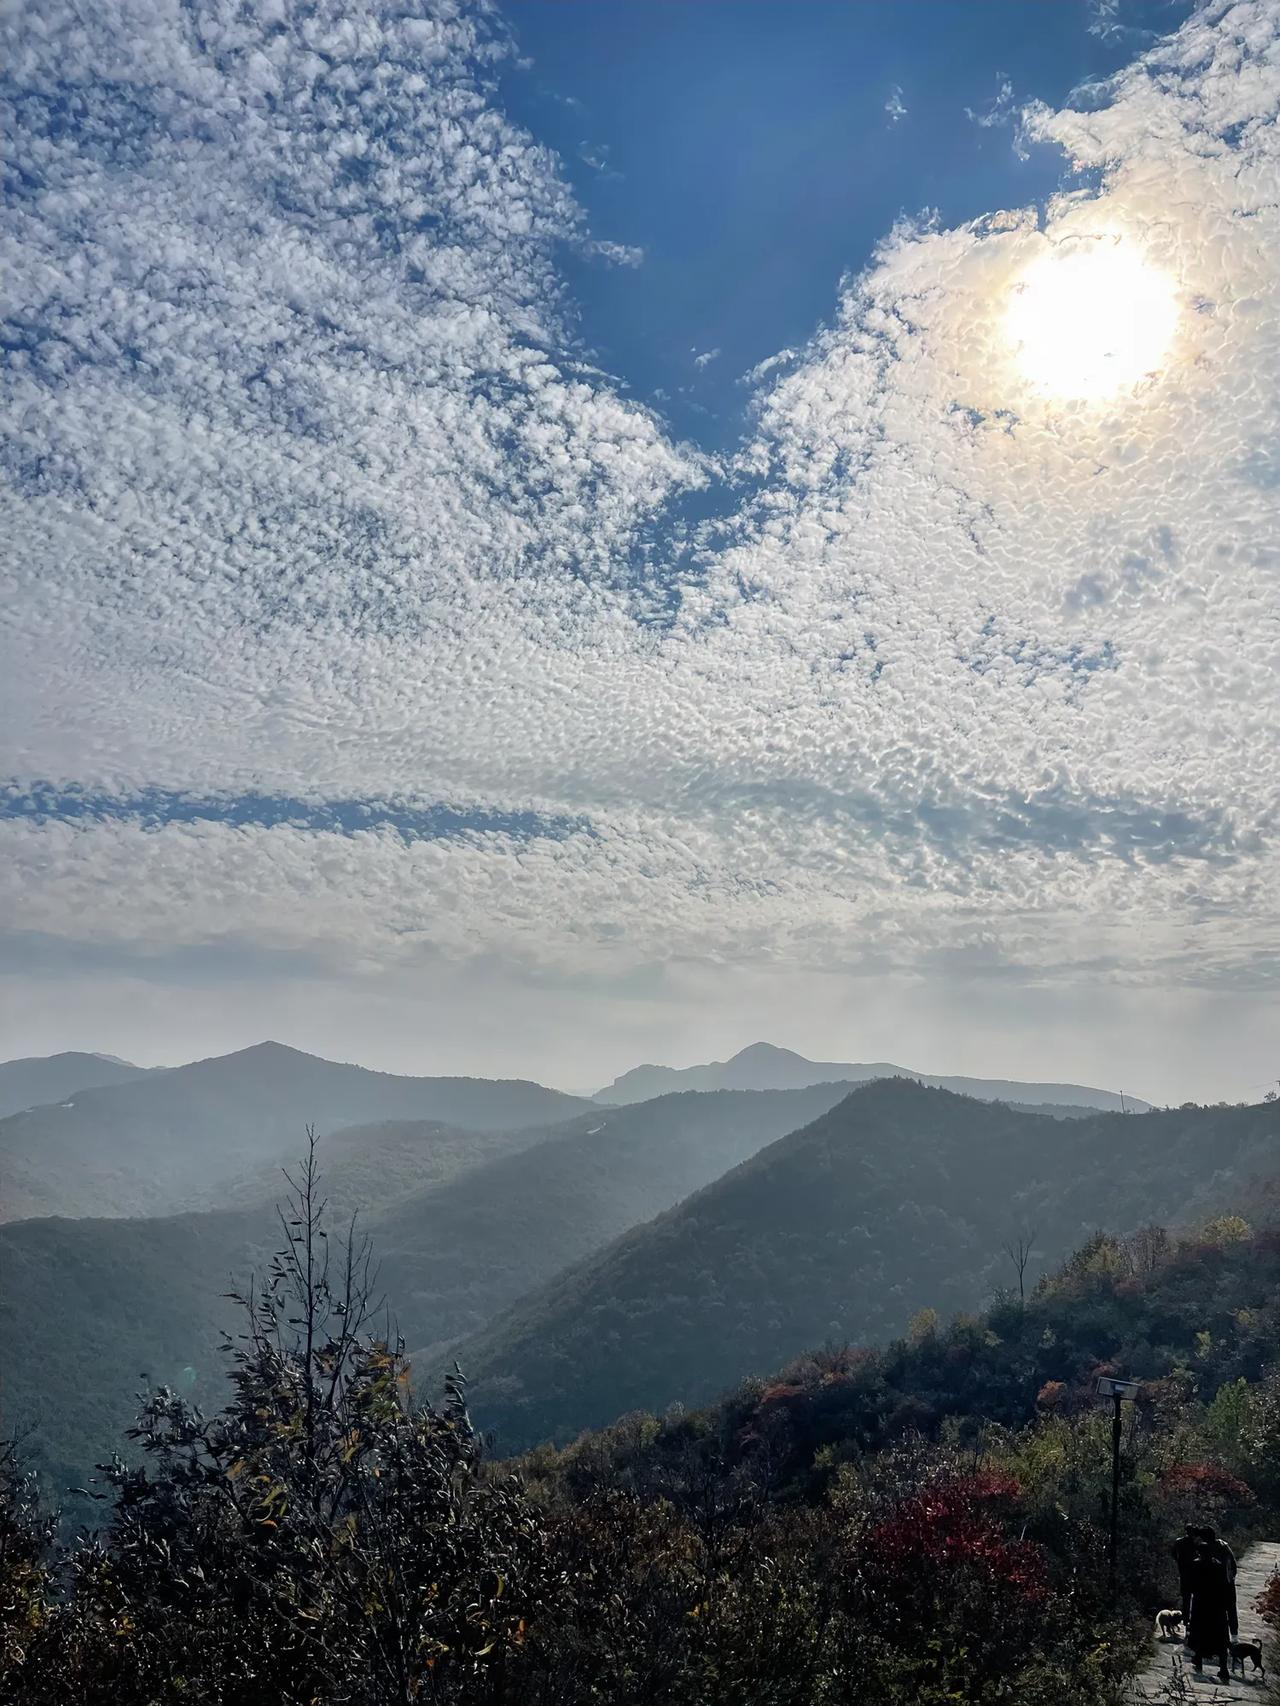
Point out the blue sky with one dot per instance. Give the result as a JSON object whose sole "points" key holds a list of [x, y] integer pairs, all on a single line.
{"points": [[756, 152], [539, 539]]}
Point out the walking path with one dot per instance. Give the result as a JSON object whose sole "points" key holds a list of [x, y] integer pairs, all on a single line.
{"points": [[1160, 1680]]}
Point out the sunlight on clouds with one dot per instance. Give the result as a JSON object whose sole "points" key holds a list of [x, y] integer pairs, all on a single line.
{"points": [[1089, 318]]}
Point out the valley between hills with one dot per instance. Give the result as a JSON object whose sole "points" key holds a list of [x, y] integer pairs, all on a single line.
{"points": [[579, 1258]]}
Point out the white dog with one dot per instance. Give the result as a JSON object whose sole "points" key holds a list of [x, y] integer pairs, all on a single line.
{"points": [[1169, 1626]]}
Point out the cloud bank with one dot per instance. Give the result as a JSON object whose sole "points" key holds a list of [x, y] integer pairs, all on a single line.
{"points": [[312, 501]]}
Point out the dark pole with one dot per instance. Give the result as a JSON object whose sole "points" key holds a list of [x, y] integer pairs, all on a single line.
{"points": [[1115, 1494]]}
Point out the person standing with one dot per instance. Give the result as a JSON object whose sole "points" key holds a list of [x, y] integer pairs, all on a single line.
{"points": [[1219, 1546], [1184, 1551], [1209, 1624]]}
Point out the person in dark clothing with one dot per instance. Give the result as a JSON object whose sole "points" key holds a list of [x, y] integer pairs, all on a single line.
{"points": [[1209, 1625], [1184, 1551], [1220, 1549]]}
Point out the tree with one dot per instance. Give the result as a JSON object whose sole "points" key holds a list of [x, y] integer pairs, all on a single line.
{"points": [[937, 1573], [922, 1327], [1148, 1247], [319, 1538], [1226, 1229], [1019, 1253], [26, 1534]]}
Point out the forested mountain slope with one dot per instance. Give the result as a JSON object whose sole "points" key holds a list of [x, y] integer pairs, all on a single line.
{"points": [[452, 1258], [1186, 1315], [89, 1306], [762, 1066], [461, 1223], [167, 1141], [92, 1312], [53, 1077], [368, 1168], [931, 1515], [898, 1199]]}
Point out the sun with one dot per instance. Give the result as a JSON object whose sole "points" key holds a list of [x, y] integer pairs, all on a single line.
{"points": [[1090, 318]]}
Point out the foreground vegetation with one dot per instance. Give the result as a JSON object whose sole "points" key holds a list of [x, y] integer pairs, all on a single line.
{"points": [[921, 1524]]}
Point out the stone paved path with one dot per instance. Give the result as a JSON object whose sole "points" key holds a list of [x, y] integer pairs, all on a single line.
{"points": [[1160, 1679]]}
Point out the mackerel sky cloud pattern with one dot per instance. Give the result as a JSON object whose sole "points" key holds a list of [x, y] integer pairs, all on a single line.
{"points": [[311, 493]]}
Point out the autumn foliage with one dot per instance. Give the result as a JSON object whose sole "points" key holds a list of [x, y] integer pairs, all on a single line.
{"points": [[921, 1525], [943, 1560]]}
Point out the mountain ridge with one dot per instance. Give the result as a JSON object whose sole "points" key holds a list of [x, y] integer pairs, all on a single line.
{"points": [[486, 1220], [160, 1142], [32, 1080], [765, 1066], [900, 1197]]}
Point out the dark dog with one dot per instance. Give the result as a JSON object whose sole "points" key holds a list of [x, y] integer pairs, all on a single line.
{"points": [[1251, 1650]]}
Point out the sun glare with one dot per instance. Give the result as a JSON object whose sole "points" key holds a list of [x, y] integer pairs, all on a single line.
{"points": [[1090, 318]]}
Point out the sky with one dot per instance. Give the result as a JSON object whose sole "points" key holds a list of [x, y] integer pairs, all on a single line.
{"points": [[541, 538]]}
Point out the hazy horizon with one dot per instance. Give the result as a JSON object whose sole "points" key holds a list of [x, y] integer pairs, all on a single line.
{"points": [[428, 1061]]}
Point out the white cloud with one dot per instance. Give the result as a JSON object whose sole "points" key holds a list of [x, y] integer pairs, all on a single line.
{"points": [[621, 254], [895, 106], [706, 358], [307, 498], [1003, 110], [999, 111]]}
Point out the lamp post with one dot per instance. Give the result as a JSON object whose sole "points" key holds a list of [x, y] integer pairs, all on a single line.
{"points": [[1120, 1392]]}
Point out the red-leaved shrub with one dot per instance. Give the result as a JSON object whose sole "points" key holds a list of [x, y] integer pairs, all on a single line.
{"points": [[1267, 1604], [948, 1544], [1205, 1485]]}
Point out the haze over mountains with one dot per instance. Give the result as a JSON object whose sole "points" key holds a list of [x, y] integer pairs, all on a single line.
{"points": [[762, 1066], [159, 1142], [89, 1135], [51, 1078], [453, 1257], [900, 1197], [480, 1228], [581, 1257]]}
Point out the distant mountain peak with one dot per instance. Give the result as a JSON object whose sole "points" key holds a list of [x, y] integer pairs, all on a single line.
{"points": [[266, 1053], [765, 1066], [268, 1046], [117, 1141], [762, 1052]]}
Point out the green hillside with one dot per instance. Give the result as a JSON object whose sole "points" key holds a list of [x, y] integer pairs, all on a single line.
{"points": [[462, 1224], [900, 1198], [1188, 1316], [369, 1167], [921, 1524], [452, 1258]]}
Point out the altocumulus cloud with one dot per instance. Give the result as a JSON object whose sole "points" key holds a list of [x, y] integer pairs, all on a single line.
{"points": [[310, 499]]}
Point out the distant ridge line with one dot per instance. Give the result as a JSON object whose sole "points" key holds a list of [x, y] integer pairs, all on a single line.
{"points": [[763, 1066]]}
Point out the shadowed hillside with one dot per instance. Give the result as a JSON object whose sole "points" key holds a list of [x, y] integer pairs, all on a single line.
{"points": [[780, 1547], [460, 1230], [371, 1167], [454, 1257], [898, 1199]]}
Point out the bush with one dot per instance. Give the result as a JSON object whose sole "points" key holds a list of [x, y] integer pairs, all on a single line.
{"points": [[318, 1539]]}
